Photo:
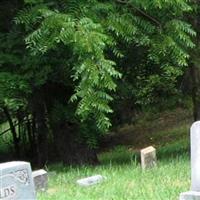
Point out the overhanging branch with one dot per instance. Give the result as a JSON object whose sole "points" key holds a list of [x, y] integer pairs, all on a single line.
{"points": [[140, 11]]}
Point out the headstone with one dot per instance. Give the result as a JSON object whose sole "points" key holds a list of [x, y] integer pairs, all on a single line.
{"points": [[195, 156], [16, 181], [194, 193], [190, 195], [90, 180], [40, 179], [148, 157]]}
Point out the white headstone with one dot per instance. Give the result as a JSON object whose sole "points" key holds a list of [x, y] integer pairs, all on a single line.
{"points": [[190, 195], [90, 180], [194, 193], [195, 156], [16, 181], [148, 157], [40, 179]]}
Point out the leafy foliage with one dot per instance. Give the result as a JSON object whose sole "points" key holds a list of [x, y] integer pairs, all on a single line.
{"points": [[86, 46]]}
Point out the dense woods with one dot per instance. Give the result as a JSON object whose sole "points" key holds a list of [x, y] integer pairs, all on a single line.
{"points": [[69, 70]]}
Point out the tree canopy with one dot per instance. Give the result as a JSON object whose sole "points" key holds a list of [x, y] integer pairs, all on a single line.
{"points": [[62, 62]]}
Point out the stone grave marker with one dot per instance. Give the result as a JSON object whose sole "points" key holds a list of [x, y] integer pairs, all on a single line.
{"points": [[148, 157], [16, 181], [194, 193], [40, 179], [92, 180]]}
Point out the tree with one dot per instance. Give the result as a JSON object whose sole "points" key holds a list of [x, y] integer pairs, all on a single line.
{"points": [[75, 51], [194, 66]]}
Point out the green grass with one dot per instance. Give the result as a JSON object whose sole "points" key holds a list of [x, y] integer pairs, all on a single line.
{"points": [[124, 178]]}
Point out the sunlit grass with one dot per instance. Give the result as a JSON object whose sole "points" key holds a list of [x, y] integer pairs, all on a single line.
{"points": [[125, 179]]}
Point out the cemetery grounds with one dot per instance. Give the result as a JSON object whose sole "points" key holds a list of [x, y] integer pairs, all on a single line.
{"points": [[120, 165]]}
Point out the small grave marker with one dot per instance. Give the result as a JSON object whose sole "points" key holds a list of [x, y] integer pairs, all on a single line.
{"points": [[90, 180], [194, 193], [40, 179], [148, 157], [16, 181]]}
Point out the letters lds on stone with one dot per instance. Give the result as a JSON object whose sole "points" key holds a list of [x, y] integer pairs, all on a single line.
{"points": [[16, 181], [7, 192]]}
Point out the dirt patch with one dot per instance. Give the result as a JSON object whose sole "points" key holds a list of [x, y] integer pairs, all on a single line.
{"points": [[158, 129]]}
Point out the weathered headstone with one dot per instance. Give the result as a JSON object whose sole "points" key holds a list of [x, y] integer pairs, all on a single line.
{"points": [[16, 181], [90, 180], [194, 193], [148, 157], [40, 179]]}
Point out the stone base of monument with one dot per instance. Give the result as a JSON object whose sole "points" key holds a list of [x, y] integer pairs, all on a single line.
{"points": [[190, 195]]}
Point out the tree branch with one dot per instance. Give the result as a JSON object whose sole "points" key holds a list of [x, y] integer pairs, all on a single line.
{"points": [[140, 11], [5, 131]]}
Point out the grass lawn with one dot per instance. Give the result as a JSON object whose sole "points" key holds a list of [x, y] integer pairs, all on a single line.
{"points": [[124, 179]]}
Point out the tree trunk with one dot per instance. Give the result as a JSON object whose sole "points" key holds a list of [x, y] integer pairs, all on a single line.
{"points": [[31, 138], [41, 128], [42, 132], [70, 149], [195, 67], [14, 133], [195, 77], [66, 145]]}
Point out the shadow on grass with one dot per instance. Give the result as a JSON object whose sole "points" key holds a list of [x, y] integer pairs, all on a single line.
{"points": [[174, 150], [121, 154]]}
